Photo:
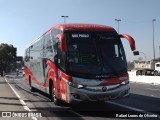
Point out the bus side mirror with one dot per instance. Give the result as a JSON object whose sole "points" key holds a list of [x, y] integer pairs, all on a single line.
{"points": [[136, 52], [63, 44], [26, 59], [130, 40]]}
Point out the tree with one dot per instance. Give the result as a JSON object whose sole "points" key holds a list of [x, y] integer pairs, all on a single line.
{"points": [[7, 55]]}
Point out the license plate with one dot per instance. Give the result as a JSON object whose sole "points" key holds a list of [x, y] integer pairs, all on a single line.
{"points": [[102, 98]]}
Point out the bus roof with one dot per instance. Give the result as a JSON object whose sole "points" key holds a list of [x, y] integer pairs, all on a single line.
{"points": [[81, 27], [77, 27]]}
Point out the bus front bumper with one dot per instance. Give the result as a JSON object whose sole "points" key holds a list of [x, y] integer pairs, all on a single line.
{"points": [[95, 93]]}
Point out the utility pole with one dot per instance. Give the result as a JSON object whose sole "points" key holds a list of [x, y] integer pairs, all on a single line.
{"points": [[65, 18], [159, 52], [153, 20], [118, 20]]}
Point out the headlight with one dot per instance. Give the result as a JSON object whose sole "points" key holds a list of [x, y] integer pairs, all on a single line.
{"points": [[125, 82], [71, 84], [75, 85], [80, 86]]}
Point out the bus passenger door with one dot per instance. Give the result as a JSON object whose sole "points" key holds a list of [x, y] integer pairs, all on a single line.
{"points": [[60, 64]]}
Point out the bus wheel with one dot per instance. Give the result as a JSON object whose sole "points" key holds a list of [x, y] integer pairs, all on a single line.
{"points": [[52, 94]]}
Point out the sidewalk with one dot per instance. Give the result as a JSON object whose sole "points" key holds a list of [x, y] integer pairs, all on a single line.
{"points": [[9, 101]]}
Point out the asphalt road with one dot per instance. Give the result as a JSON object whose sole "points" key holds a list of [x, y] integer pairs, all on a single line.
{"points": [[144, 99]]}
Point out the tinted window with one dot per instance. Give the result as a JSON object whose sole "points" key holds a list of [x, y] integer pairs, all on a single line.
{"points": [[95, 54]]}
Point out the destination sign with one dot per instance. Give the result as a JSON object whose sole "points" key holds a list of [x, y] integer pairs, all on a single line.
{"points": [[80, 35]]}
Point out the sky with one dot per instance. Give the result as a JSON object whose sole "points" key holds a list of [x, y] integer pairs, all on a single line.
{"points": [[22, 21]]}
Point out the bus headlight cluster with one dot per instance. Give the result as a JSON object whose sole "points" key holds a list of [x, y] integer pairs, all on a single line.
{"points": [[75, 85], [125, 82]]}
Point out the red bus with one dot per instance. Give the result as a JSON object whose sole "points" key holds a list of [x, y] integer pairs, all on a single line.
{"points": [[79, 62]]}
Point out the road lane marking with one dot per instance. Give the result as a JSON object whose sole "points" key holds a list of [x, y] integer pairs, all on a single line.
{"points": [[125, 106], [21, 101]]}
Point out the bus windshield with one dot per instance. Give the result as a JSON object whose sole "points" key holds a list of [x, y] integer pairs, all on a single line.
{"points": [[95, 55]]}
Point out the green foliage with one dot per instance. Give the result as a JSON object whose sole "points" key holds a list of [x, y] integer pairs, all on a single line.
{"points": [[7, 55]]}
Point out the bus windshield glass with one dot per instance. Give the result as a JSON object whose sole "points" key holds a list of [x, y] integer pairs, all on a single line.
{"points": [[95, 55]]}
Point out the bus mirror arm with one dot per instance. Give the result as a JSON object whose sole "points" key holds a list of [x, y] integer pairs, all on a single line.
{"points": [[131, 42]]}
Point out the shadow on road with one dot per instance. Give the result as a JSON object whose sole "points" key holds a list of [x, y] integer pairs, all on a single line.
{"points": [[10, 98], [146, 103]]}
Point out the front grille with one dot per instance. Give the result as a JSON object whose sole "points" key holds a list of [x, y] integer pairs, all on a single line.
{"points": [[100, 88]]}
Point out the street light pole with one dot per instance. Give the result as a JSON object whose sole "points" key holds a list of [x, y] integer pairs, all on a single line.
{"points": [[118, 20], [153, 20], [65, 18], [159, 52]]}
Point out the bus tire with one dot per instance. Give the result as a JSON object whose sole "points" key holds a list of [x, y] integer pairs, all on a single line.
{"points": [[52, 95]]}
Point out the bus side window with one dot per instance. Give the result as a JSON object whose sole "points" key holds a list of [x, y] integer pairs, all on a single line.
{"points": [[53, 35], [48, 47], [61, 57]]}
